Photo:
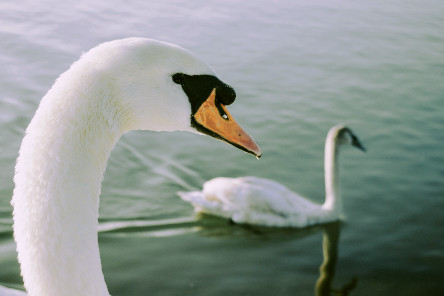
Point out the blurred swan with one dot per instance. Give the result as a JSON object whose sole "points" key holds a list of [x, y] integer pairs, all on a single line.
{"points": [[265, 202], [116, 87]]}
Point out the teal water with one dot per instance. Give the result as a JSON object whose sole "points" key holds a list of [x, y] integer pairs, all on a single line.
{"points": [[298, 67]]}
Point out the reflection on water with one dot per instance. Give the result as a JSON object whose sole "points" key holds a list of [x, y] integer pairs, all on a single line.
{"points": [[219, 228], [330, 244]]}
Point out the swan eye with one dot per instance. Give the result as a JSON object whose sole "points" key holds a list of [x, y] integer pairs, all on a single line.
{"points": [[178, 78]]}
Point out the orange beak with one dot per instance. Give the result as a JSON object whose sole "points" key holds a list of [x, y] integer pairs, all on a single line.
{"points": [[215, 117]]}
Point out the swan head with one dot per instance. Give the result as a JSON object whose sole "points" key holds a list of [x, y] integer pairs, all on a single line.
{"points": [[163, 87], [343, 135]]}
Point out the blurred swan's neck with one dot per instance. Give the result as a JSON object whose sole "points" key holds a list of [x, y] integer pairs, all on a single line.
{"points": [[56, 200], [331, 170]]}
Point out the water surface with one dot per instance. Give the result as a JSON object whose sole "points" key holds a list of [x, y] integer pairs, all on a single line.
{"points": [[298, 67]]}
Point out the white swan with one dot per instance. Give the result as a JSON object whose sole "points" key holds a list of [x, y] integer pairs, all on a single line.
{"points": [[117, 86], [260, 201]]}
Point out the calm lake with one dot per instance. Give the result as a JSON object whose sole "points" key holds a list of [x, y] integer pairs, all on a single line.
{"points": [[298, 68]]}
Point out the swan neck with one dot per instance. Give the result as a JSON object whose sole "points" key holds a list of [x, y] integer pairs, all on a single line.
{"points": [[56, 199], [331, 170]]}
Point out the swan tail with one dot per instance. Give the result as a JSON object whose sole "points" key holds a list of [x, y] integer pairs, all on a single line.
{"points": [[203, 205], [197, 199], [191, 196]]}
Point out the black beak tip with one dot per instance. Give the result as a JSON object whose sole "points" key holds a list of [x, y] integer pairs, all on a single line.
{"points": [[361, 147]]}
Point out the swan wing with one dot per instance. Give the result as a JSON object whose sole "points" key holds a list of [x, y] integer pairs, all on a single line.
{"points": [[275, 197], [202, 204], [251, 200]]}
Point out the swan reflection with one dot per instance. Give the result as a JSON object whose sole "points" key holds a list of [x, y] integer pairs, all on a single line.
{"points": [[214, 227], [330, 244]]}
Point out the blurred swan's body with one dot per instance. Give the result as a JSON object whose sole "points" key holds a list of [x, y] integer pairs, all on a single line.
{"points": [[116, 87], [265, 202]]}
